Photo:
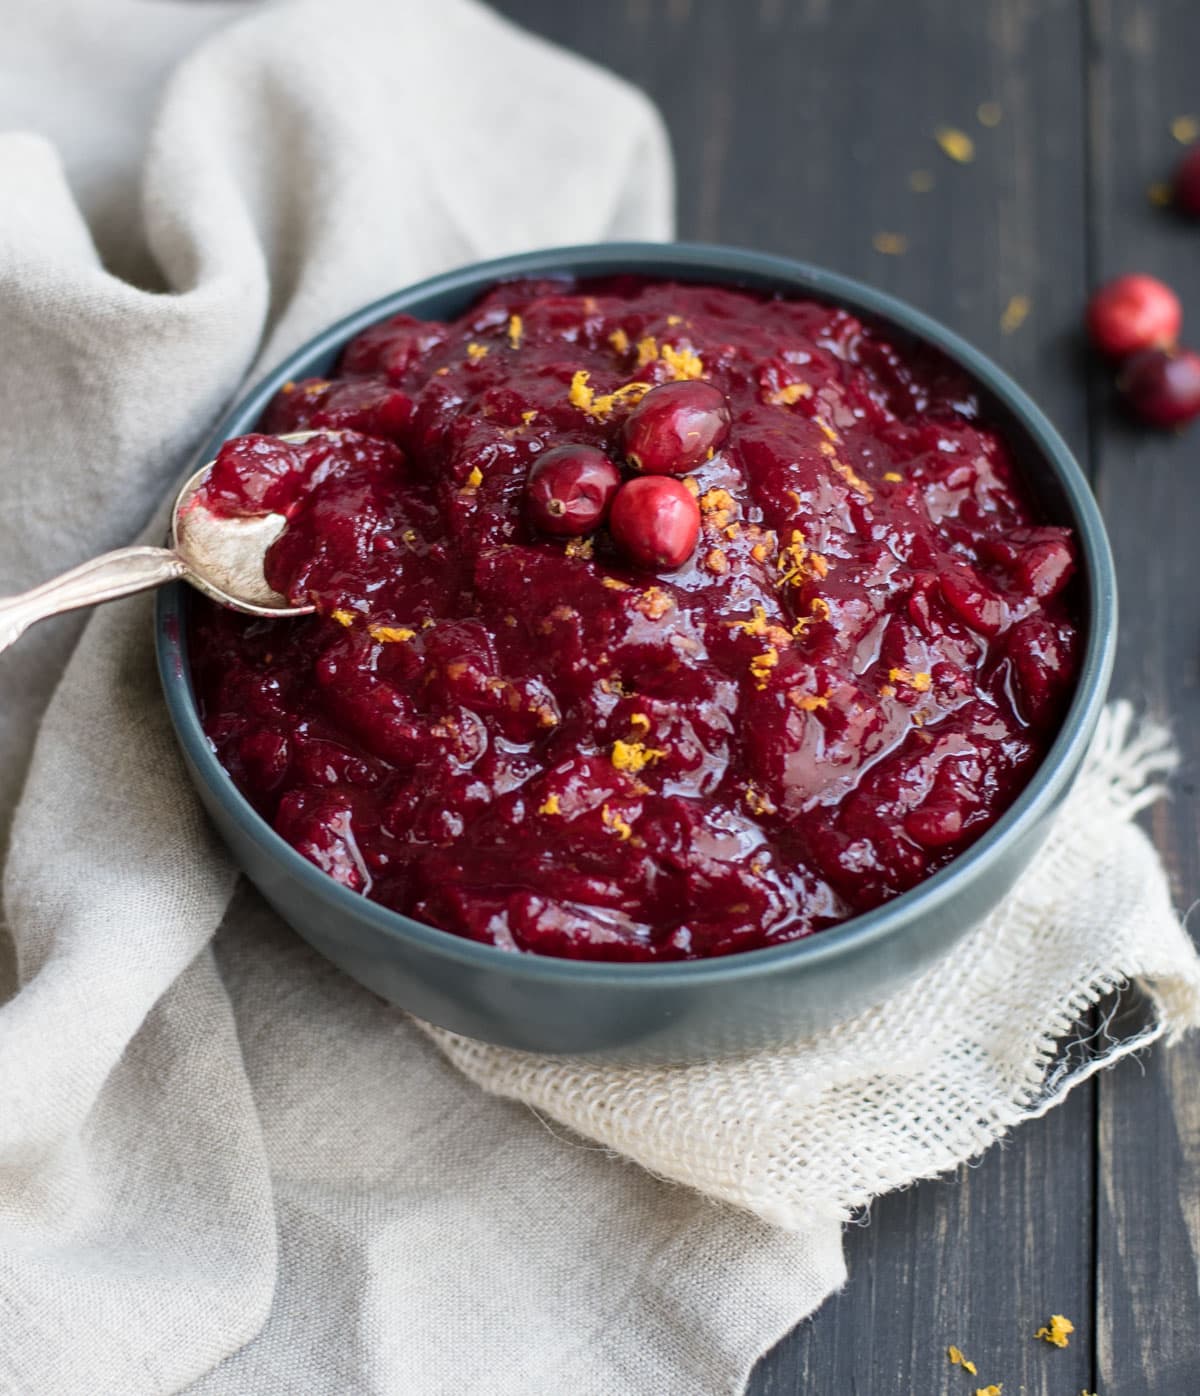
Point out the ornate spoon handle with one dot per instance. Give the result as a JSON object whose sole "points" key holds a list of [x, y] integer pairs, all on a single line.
{"points": [[104, 578]]}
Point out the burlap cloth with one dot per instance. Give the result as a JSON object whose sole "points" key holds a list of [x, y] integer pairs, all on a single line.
{"points": [[224, 1166]]}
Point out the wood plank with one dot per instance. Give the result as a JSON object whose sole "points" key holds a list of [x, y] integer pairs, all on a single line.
{"points": [[796, 125], [1141, 76]]}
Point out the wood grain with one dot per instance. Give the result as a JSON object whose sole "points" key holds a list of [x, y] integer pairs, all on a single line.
{"points": [[1142, 74]]}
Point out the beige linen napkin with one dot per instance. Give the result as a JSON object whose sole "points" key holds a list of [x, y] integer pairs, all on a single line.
{"points": [[225, 1167]]}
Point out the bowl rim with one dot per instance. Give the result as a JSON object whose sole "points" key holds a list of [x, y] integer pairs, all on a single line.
{"points": [[719, 265]]}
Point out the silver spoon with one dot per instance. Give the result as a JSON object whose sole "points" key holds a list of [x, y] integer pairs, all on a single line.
{"points": [[221, 556]]}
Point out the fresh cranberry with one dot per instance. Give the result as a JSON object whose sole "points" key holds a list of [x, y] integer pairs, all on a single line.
{"points": [[1187, 183], [655, 521], [1163, 386], [570, 490], [1132, 313], [675, 427]]}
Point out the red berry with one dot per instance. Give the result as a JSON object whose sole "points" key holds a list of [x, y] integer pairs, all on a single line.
{"points": [[655, 521], [1162, 386], [1187, 183], [570, 489], [675, 427], [1132, 313]]}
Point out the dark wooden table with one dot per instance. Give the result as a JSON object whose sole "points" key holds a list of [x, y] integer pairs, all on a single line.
{"points": [[797, 125]]}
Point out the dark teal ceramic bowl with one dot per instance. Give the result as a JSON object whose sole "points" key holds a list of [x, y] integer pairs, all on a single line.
{"points": [[665, 1011]]}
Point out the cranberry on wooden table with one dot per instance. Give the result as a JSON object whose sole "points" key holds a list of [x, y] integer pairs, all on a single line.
{"points": [[1162, 387], [1132, 313], [1187, 183], [655, 521], [675, 427], [570, 490]]}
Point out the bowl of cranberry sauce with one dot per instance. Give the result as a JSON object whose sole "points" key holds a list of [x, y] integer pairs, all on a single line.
{"points": [[701, 645]]}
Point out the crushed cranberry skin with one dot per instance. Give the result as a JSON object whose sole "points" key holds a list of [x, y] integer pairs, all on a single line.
{"points": [[253, 475], [675, 427], [570, 490], [746, 705], [655, 522], [1132, 313], [1187, 183], [1162, 388], [368, 405]]}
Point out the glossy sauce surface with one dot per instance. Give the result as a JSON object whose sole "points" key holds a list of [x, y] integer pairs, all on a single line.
{"points": [[526, 741]]}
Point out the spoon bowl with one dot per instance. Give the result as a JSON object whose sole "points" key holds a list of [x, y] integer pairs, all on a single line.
{"points": [[221, 555], [225, 553]]}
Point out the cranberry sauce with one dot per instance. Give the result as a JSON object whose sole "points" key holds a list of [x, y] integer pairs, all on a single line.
{"points": [[537, 742]]}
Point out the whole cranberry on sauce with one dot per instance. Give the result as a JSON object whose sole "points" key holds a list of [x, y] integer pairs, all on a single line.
{"points": [[570, 489], [1162, 386], [1132, 313], [675, 427], [655, 521], [1187, 183]]}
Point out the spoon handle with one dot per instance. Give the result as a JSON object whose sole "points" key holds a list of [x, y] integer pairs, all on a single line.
{"points": [[104, 578]]}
